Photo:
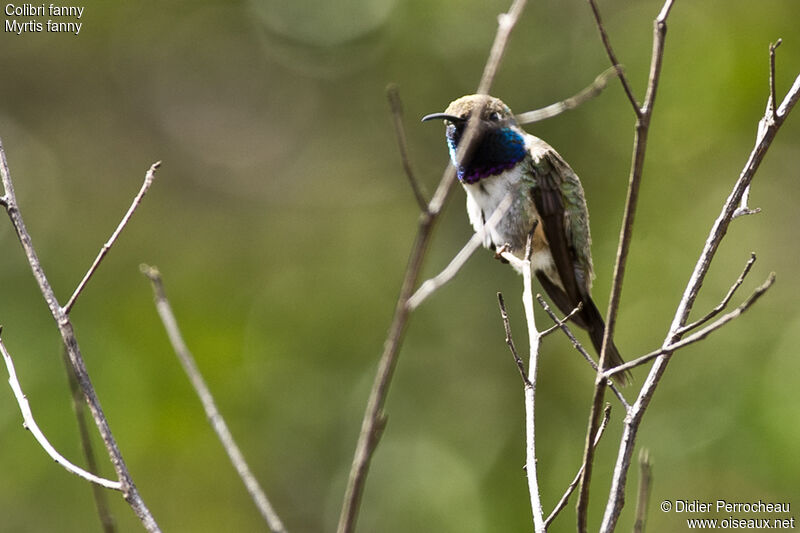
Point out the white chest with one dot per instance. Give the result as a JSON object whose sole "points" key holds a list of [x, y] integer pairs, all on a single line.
{"points": [[484, 197]]}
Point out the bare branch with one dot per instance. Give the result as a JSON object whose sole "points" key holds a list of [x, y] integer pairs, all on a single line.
{"points": [[99, 494], [643, 115], [396, 106], [510, 341], [129, 491], [744, 209], [148, 180], [768, 128], [643, 496], [206, 398], [30, 424], [374, 420], [530, 389], [773, 101], [552, 110], [505, 24], [430, 286], [725, 301], [698, 335], [558, 322], [579, 347], [613, 58], [571, 488]]}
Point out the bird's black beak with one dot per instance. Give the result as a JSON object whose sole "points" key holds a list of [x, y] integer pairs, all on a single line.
{"points": [[444, 116]]}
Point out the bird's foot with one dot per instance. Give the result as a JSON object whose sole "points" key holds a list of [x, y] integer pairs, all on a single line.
{"points": [[498, 253]]}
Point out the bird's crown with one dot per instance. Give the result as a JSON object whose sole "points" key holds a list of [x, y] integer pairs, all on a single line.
{"points": [[493, 110]]}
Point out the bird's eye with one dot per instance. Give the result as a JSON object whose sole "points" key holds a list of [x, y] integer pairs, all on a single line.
{"points": [[494, 116]]}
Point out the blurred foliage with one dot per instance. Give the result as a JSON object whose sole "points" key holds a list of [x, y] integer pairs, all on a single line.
{"points": [[282, 221]]}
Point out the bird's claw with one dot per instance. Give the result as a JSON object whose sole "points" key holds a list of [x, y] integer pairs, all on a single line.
{"points": [[498, 253]]}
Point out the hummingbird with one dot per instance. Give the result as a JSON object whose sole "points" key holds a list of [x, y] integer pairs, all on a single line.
{"points": [[547, 201]]}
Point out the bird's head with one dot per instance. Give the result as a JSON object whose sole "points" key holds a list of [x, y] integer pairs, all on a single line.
{"points": [[499, 143]]}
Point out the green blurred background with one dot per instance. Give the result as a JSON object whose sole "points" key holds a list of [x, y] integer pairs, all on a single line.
{"points": [[281, 220]]}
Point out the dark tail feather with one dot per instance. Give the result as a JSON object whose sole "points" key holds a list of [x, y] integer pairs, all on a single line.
{"points": [[597, 328], [589, 319]]}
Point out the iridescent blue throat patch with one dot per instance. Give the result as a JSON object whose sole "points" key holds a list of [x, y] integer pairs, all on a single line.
{"points": [[498, 151]]}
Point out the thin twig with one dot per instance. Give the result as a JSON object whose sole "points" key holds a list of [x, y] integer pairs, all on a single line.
{"points": [[697, 335], [571, 488], [98, 493], [552, 110], [209, 405], [773, 101], [643, 116], [396, 106], [374, 420], [725, 301], [613, 58], [559, 322], [148, 180], [431, 285], [770, 117], [643, 495], [764, 137], [505, 24], [579, 347], [510, 341], [29, 423], [129, 491]]}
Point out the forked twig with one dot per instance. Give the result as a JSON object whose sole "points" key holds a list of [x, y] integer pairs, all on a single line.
{"points": [[207, 399], [579, 347], [697, 335], [559, 322], [127, 486], [725, 301]]}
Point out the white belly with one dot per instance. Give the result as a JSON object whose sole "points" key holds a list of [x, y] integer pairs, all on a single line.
{"points": [[513, 229]]}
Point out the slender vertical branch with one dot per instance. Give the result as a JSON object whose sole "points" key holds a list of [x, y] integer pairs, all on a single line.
{"points": [[374, 419], [773, 101], [574, 484], [643, 115], [207, 399], [99, 495], [65, 328], [534, 338], [643, 495]]}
